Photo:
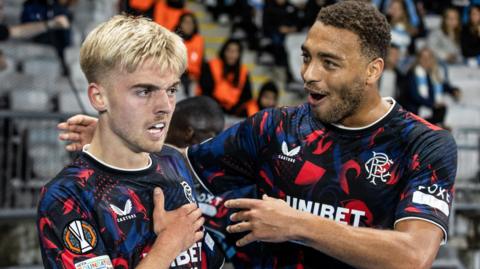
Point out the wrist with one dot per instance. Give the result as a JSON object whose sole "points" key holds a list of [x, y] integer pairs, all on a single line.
{"points": [[301, 227], [168, 246]]}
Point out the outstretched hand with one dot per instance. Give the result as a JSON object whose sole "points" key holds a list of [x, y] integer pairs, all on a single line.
{"points": [[78, 131], [268, 219]]}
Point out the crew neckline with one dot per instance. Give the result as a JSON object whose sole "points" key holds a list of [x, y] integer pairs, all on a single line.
{"points": [[344, 130], [390, 109], [116, 168]]}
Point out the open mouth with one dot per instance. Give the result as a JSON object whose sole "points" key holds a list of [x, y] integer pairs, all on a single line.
{"points": [[317, 96], [156, 128]]}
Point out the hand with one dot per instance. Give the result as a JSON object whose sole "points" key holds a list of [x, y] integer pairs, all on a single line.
{"points": [[181, 227], [59, 22], [78, 130], [269, 220]]}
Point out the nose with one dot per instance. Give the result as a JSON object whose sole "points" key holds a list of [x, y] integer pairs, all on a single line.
{"points": [[163, 103], [311, 72]]}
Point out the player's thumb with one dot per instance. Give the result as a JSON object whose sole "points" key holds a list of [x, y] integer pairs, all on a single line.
{"points": [[265, 197], [158, 199]]}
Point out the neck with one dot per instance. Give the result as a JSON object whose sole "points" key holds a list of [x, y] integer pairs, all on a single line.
{"points": [[109, 148], [370, 110]]}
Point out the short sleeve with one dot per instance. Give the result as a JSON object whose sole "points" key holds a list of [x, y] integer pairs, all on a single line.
{"points": [[69, 236], [429, 190], [229, 161]]}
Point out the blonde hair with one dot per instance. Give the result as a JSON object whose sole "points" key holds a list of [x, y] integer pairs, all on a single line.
{"points": [[125, 42]]}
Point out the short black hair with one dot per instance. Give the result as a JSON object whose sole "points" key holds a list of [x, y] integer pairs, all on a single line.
{"points": [[198, 112], [268, 86], [363, 19]]}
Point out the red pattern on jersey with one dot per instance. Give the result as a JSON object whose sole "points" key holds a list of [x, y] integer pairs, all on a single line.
{"points": [[84, 175], [343, 174], [358, 205], [309, 174]]}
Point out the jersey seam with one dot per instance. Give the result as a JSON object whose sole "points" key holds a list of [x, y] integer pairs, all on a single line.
{"points": [[195, 173]]}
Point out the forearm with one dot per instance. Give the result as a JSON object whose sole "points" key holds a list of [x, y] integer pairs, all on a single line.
{"points": [[360, 247], [28, 30], [162, 254]]}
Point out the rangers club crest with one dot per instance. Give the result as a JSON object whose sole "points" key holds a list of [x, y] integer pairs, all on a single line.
{"points": [[188, 192], [378, 167]]}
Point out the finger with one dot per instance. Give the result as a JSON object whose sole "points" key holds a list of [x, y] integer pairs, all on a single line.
{"points": [[239, 227], [195, 214], [188, 208], [247, 239], [158, 199], [77, 129], [240, 216], [198, 236], [242, 203], [73, 147], [80, 119], [69, 136], [197, 225], [62, 126], [265, 197]]}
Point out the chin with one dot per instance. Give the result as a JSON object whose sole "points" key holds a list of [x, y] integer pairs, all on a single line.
{"points": [[154, 147]]}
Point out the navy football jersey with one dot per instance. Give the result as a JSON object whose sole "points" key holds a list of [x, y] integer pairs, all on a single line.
{"points": [[400, 167], [92, 215], [216, 216]]}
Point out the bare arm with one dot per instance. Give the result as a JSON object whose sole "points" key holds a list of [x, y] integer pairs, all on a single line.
{"points": [[176, 231], [413, 243], [31, 29]]}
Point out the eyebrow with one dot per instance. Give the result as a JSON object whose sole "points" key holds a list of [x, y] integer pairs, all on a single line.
{"points": [[325, 54], [153, 86]]}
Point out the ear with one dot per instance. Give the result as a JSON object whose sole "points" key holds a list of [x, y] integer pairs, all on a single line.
{"points": [[374, 71], [97, 96]]}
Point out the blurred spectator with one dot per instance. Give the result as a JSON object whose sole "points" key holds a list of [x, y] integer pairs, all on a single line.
{"points": [[165, 12], [445, 42], [267, 98], [311, 10], [402, 30], [427, 85], [226, 79], [220, 10], [195, 120], [45, 10], [393, 80], [243, 19], [279, 19], [187, 28], [437, 6], [470, 39], [30, 29], [3, 61]]}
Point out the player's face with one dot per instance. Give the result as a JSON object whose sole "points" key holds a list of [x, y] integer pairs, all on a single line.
{"points": [[334, 72], [140, 106]]}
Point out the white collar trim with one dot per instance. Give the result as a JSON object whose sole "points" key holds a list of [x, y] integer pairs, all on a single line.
{"points": [[388, 99], [85, 150]]}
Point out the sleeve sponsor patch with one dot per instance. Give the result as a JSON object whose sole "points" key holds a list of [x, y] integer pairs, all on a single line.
{"points": [[209, 241], [430, 200], [101, 262], [79, 237]]}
